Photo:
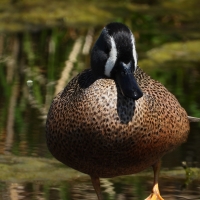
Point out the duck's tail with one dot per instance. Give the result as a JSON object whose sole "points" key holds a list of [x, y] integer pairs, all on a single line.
{"points": [[193, 119]]}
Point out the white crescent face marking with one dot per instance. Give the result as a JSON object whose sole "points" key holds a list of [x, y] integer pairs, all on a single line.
{"points": [[112, 58], [134, 50]]}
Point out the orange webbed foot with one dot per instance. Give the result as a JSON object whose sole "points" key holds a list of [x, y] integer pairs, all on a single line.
{"points": [[155, 195]]}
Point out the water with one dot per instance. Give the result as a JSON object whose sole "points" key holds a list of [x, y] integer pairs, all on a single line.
{"points": [[130, 187]]}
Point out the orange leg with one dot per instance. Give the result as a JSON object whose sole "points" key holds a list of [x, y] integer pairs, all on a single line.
{"points": [[155, 195], [96, 185]]}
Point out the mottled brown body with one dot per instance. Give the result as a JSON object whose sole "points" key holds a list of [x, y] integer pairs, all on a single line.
{"points": [[94, 129]]}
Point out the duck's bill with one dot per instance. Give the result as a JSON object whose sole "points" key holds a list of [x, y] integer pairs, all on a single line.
{"points": [[127, 82]]}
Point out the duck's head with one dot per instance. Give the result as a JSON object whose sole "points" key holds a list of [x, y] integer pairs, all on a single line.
{"points": [[114, 56]]}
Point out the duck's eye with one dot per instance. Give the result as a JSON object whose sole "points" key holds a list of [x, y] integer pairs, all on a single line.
{"points": [[107, 50]]}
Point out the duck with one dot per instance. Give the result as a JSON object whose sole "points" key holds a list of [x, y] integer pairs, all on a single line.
{"points": [[113, 119]]}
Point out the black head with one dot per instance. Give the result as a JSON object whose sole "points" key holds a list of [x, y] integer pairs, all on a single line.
{"points": [[114, 56]]}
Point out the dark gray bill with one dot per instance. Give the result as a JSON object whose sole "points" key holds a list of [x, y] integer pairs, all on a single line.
{"points": [[127, 82]]}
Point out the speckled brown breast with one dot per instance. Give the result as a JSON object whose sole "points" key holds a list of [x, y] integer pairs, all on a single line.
{"points": [[92, 128]]}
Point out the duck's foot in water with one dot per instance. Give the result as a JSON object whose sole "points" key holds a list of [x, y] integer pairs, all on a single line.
{"points": [[155, 195]]}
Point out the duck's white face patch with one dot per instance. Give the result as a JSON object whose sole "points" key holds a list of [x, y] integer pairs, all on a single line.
{"points": [[112, 58], [134, 50]]}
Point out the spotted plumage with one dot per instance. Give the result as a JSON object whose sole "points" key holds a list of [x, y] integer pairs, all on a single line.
{"points": [[95, 126]]}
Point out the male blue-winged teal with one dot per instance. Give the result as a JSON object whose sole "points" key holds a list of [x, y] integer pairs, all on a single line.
{"points": [[113, 119]]}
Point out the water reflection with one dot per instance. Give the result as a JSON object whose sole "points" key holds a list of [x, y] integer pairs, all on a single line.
{"points": [[118, 189]]}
